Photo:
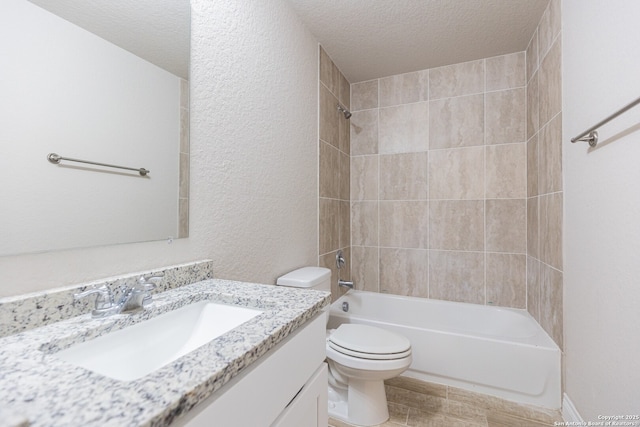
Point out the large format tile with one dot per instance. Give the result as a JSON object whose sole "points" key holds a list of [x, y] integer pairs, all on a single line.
{"points": [[532, 166], [404, 128], [456, 122], [403, 224], [364, 132], [457, 276], [329, 126], [551, 318], [404, 88], [364, 95], [550, 217], [364, 178], [533, 287], [505, 116], [403, 176], [550, 156], [456, 225], [506, 171], [506, 71], [506, 280], [533, 227], [455, 80], [456, 173], [533, 106], [404, 272], [364, 223], [550, 83], [364, 268], [506, 225]]}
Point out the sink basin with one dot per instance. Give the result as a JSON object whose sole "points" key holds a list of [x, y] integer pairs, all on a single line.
{"points": [[137, 350]]}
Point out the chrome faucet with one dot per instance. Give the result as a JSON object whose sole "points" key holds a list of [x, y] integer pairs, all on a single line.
{"points": [[131, 299], [340, 263]]}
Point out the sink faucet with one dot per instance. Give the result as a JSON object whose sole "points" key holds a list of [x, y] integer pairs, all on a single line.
{"points": [[131, 299]]}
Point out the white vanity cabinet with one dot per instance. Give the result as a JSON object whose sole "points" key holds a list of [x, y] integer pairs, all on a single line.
{"points": [[287, 387]]}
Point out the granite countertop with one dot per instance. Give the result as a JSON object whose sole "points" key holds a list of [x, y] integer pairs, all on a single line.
{"points": [[46, 391]]}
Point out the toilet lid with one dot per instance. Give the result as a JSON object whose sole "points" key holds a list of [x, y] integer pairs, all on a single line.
{"points": [[368, 340]]}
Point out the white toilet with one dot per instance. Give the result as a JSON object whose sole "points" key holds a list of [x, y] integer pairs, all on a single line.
{"points": [[360, 358]]}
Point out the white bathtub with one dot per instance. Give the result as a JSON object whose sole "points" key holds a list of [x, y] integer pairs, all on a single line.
{"points": [[493, 350]]}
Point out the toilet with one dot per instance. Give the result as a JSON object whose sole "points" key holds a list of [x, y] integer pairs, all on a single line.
{"points": [[360, 358]]}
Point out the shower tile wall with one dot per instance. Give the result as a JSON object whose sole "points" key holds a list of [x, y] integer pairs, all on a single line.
{"points": [[334, 183], [544, 169], [439, 182]]}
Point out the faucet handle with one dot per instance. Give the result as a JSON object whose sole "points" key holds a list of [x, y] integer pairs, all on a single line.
{"points": [[148, 283], [104, 298]]}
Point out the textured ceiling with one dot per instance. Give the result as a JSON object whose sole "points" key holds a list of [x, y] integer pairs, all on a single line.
{"points": [[369, 39], [155, 30]]}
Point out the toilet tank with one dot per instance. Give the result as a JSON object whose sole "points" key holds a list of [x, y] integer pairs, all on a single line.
{"points": [[317, 278]]}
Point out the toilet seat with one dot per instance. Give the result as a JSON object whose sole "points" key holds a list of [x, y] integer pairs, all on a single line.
{"points": [[368, 342]]}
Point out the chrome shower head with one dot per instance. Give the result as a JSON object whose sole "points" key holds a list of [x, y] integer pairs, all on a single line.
{"points": [[344, 111]]}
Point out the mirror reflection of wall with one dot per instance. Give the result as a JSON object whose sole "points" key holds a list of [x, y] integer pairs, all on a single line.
{"points": [[68, 91]]}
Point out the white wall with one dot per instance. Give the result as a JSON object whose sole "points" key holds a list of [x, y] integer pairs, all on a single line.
{"points": [[253, 208], [601, 57], [67, 91]]}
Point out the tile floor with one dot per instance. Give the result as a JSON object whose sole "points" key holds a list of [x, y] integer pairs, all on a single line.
{"points": [[419, 404]]}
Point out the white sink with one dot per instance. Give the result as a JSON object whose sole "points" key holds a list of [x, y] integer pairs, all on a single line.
{"points": [[135, 351]]}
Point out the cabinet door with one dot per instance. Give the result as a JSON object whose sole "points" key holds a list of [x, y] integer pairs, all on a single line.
{"points": [[309, 407]]}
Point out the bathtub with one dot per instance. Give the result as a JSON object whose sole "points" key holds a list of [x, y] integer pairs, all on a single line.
{"points": [[492, 350]]}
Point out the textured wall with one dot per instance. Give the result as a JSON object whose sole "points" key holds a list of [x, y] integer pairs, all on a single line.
{"points": [[602, 207], [254, 144], [438, 182]]}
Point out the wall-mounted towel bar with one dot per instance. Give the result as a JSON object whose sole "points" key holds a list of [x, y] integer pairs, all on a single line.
{"points": [[591, 136], [54, 158]]}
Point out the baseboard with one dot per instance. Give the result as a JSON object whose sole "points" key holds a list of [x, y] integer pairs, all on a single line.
{"points": [[569, 412]]}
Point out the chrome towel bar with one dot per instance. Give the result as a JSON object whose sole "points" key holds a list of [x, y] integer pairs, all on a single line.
{"points": [[591, 136], [54, 158]]}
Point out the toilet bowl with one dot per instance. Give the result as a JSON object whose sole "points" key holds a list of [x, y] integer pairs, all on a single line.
{"points": [[360, 358]]}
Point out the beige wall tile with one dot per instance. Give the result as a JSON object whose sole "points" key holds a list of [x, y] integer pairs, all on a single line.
{"points": [[550, 83], [344, 137], [506, 280], [532, 55], [404, 224], [345, 176], [551, 229], [456, 276], [533, 287], [506, 171], [532, 166], [364, 178], [344, 224], [364, 268], [329, 131], [404, 128], [550, 160], [364, 223], [456, 225], [549, 26], [454, 80], [404, 272], [403, 176], [345, 91], [329, 172], [329, 74], [329, 231], [506, 71], [404, 88], [533, 227], [364, 95], [505, 116], [506, 225], [551, 318], [533, 106], [456, 122], [456, 173], [364, 132]]}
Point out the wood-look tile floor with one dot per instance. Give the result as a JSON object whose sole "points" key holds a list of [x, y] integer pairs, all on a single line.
{"points": [[419, 404]]}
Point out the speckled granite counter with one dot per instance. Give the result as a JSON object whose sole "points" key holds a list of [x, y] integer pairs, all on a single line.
{"points": [[49, 392]]}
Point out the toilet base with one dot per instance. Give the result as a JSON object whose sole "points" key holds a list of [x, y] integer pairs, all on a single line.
{"points": [[363, 404]]}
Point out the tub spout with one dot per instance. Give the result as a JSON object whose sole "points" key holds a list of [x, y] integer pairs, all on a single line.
{"points": [[345, 284]]}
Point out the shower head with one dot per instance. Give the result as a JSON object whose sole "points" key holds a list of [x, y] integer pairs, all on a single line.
{"points": [[347, 113]]}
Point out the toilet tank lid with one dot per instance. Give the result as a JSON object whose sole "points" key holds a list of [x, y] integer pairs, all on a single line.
{"points": [[306, 277]]}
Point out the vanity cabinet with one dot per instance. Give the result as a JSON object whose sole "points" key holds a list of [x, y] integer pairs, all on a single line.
{"points": [[287, 387]]}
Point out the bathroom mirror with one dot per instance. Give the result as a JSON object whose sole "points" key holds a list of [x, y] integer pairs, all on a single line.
{"points": [[102, 81]]}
